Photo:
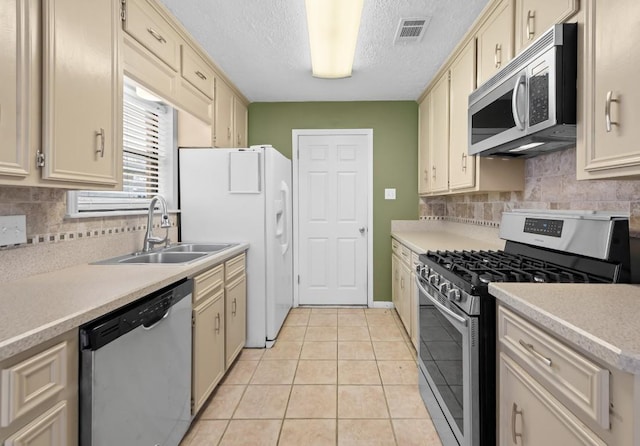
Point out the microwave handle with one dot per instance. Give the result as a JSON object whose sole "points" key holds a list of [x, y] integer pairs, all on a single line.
{"points": [[522, 80]]}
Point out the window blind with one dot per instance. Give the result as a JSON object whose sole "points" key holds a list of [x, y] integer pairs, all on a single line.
{"points": [[147, 159]]}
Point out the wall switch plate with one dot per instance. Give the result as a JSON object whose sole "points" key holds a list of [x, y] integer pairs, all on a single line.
{"points": [[390, 194], [13, 230]]}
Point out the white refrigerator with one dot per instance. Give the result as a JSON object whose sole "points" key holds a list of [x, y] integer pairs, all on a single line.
{"points": [[244, 195]]}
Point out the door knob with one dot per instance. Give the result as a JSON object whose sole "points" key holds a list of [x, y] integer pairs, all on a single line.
{"points": [[362, 229]]}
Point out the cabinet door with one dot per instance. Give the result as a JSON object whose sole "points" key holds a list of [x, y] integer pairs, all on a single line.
{"points": [[240, 122], [534, 17], [223, 114], [82, 92], [423, 145], [395, 282], [14, 88], [235, 318], [439, 118], [49, 429], [208, 348], [495, 41], [463, 76], [529, 415], [612, 59], [405, 296]]}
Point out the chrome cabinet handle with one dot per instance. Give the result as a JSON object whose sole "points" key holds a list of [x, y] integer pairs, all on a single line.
{"points": [[464, 161], [607, 111], [532, 350], [522, 80], [433, 168], [234, 307], [217, 326], [156, 35], [514, 413], [201, 76], [402, 283], [531, 17], [497, 55], [229, 133], [100, 149]]}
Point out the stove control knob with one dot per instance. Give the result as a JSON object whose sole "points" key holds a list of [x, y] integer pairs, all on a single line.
{"points": [[454, 295], [434, 279], [444, 287]]}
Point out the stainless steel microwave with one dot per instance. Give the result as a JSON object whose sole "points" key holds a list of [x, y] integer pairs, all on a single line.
{"points": [[529, 106]]}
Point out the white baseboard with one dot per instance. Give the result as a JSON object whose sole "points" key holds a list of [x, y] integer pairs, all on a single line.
{"points": [[381, 304]]}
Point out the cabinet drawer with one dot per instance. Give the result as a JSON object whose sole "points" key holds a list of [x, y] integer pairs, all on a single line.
{"points": [[234, 267], [48, 429], [405, 255], [149, 28], [415, 258], [32, 382], [196, 71], [396, 247], [208, 283], [571, 377]]}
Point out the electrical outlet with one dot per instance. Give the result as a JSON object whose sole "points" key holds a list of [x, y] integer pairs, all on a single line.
{"points": [[13, 230], [390, 194]]}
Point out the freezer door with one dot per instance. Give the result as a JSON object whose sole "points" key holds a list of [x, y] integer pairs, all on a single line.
{"points": [[279, 236]]}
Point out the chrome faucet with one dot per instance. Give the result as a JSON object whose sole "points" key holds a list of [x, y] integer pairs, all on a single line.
{"points": [[149, 239]]}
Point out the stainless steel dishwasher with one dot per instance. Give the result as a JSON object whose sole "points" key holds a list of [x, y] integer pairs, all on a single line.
{"points": [[135, 372]]}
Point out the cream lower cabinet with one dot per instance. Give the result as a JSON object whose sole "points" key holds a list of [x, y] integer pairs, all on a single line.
{"points": [[235, 307], [219, 325], [530, 415], [403, 292], [608, 146], [82, 93], [39, 397]]}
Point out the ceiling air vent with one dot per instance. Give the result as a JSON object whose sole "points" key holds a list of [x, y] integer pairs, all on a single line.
{"points": [[411, 30]]}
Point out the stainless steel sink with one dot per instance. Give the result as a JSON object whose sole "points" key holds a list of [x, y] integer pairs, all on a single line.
{"points": [[198, 247], [180, 253], [163, 257]]}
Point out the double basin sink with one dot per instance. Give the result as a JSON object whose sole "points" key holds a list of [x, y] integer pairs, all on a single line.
{"points": [[179, 253]]}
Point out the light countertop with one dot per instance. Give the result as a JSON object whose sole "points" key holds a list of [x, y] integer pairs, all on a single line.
{"points": [[40, 307], [601, 319]]}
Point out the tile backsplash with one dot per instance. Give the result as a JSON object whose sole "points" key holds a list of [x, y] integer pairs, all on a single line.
{"points": [[550, 183], [55, 242]]}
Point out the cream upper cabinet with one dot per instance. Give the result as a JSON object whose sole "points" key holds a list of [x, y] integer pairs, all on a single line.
{"points": [[240, 122], [82, 93], [530, 415], [463, 76], [439, 149], [495, 42], [609, 141], [223, 114], [424, 138], [534, 17], [15, 70]]}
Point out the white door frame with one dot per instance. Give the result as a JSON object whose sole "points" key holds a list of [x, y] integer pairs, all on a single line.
{"points": [[296, 159]]}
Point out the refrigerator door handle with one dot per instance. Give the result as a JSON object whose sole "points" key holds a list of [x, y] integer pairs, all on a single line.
{"points": [[283, 232]]}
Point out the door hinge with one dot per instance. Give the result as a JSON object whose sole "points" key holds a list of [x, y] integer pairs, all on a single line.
{"points": [[449, 75], [193, 321], [123, 10], [193, 405], [298, 279], [40, 159]]}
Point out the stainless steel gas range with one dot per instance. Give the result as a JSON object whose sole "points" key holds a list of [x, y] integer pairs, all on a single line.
{"points": [[457, 353]]}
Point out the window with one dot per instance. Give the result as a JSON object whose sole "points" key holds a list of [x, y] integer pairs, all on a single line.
{"points": [[148, 161]]}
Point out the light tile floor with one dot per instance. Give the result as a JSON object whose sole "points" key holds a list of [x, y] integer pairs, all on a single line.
{"points": [[336, 376]]}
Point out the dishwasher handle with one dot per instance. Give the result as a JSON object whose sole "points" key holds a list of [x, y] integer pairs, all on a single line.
{"points": [[155, 321]]}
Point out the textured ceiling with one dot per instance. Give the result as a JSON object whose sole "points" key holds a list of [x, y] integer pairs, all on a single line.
{"points": [[262, 45]]}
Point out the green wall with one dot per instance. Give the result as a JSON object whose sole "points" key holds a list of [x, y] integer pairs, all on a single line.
{"points": [[395, 157]]}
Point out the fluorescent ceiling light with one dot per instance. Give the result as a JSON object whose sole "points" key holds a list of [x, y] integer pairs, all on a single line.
{"points": [[526, 146], [333, 32]]}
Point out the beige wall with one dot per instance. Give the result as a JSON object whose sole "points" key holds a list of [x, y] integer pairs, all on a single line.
{"points": [[550, 183], [54, 242]]}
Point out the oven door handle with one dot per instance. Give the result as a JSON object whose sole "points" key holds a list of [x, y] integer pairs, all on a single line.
{"points": [[441, 307]]}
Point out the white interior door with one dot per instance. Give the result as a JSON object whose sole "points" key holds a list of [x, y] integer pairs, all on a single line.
{"points": [[333, 218]]}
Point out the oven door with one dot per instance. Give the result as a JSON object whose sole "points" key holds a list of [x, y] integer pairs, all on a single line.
{"points": [[448, 356]]}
